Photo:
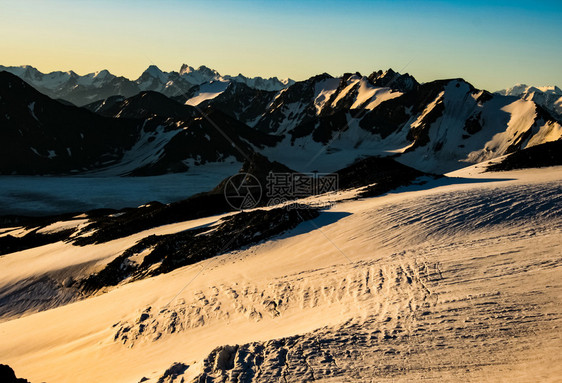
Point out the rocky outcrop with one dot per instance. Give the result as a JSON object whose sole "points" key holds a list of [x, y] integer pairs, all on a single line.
{"points": [[7, 375]]}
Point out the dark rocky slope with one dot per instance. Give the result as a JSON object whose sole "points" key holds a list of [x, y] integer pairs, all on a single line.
{"points": [[547, 154]]}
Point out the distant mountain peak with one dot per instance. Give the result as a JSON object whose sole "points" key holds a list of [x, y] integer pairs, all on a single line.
{"points": [[320, 77], [394, 80], [202, 70], [549, 97], [102, 73], [207, 70], [436, 127], [154, 71], [185, 69], [520, 89], [205, 74]]}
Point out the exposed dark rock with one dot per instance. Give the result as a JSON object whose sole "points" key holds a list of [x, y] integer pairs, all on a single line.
{"points": [[300, 92], [174, 371], [29, 222], [392, 114], [375, 170], [420, 134], [240, 102], [547, 154], [542, 116], [42, 136], [72, 91], [259, 167], [169, 252], [347, 100], [101, 105], [108, 227], [393, 80], [7, 375], [327, 128], [154, 214], [141, 106], [10, 244], [473, 124], [211, 137], [484, 97], [381, 174]]}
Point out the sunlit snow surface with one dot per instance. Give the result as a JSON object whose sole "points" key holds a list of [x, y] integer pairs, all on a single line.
{"points": [[455, 280], [207, 91]]}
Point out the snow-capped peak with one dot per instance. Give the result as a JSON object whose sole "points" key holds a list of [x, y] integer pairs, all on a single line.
{"points": [[205, 74], [551, 89], [208, 71], [549, 97], [185, 69], [521, 89]]}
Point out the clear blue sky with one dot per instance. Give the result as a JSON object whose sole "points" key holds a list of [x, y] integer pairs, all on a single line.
{"points": [[491, 44]]}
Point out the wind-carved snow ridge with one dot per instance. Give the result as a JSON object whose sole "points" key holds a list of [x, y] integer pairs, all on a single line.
{"points": [[409, 312], [366, 288]]}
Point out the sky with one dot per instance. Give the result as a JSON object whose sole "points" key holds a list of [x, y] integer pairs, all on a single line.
{"points": [[492, 44]]}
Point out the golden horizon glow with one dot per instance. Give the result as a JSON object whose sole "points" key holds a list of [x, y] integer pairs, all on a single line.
{"points": [[295, 40]]}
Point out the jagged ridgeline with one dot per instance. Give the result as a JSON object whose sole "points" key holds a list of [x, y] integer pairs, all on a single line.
{"points": [[321, 124], [83, 89]]}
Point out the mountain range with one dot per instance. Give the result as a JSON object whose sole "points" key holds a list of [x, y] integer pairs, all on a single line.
{"points": [[407, 271], [320, 124], [549, 97], [81, 90]]}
